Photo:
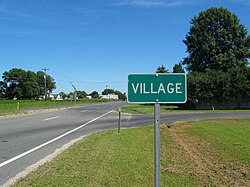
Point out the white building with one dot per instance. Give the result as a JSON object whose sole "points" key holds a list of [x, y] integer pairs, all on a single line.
{"points": [[110, 96], [89, 97], [55, 96]]}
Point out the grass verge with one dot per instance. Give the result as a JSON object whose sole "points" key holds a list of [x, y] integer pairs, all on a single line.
{"points": [[191, 155]]}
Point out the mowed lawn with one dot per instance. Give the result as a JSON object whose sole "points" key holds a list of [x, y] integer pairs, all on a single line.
{"points": [[201, 153]]}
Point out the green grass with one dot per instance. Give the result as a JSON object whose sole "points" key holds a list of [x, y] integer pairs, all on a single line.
{"points": [[231, 138], [145, 109], [8, 107], [149, 109], [221, 147], [110, 159]]}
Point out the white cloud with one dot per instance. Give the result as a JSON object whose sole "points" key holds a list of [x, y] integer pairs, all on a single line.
{"points": [[153, 3]]}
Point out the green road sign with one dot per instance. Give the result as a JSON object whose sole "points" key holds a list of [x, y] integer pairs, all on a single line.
{"points": [[161, 88]]}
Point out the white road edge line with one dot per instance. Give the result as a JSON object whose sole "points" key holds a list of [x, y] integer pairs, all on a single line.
{"points": [[51, 141], [51, 118]]}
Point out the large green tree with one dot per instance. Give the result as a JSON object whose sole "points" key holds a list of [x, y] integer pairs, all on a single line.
{"points": [[15, 80], [21, 84], [216, 40], [218, 47]]}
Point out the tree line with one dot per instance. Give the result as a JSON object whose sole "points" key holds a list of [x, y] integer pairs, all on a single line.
{"points": [[218, 48], [20, 84], [217, 62], [95, 94]]}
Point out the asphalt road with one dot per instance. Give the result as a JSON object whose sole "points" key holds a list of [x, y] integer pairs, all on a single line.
{"points": [[32, 137], [147, 119], [27, 139]]}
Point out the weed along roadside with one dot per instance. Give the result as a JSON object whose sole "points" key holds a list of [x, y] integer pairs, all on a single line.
{"points": [[201, 153]]}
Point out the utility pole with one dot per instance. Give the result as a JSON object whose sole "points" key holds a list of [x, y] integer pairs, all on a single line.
{"points": [[45, 89], [74, 92], [107, 90]]}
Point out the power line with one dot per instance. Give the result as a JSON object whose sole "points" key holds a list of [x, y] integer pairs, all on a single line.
{"points": [[65, 75]]}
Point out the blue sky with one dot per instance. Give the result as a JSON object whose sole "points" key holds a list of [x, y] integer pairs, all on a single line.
{"points": [[94, 43]]}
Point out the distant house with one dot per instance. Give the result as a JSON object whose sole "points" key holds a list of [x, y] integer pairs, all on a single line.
{"points": [[110, 96], [89, 97], [55, 96]]}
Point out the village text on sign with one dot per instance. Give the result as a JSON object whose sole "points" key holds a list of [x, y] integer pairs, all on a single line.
{"points": [[161, 88]]}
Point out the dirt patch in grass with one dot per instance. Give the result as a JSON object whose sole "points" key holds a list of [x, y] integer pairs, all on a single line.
{"points": [[205, 164]]}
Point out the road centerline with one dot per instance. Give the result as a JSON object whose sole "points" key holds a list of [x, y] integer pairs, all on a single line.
{"points": [[48, 119], [51, 141]]}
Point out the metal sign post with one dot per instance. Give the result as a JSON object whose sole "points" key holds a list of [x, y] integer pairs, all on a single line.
{"points": [[119, 120], [157, 144], [156, 89]]}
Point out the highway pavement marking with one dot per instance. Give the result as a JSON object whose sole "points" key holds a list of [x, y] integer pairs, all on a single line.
{"points": [[51, 118], [51, 141], [83, 111]]}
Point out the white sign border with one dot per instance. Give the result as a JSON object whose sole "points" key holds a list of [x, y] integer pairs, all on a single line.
{"points": [[185, 75]]}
